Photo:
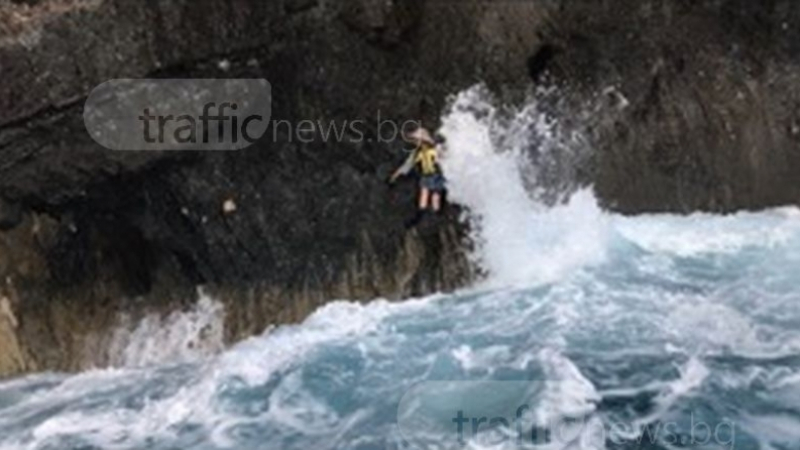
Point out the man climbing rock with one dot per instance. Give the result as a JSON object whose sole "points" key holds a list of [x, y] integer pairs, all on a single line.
{"points": [[425, 160]]}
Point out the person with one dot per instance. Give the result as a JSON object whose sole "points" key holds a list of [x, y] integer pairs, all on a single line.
{"points": [[432, 182]]}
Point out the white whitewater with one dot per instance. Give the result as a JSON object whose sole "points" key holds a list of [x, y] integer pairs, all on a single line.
{"points": [[520, 241], [182, 336]]}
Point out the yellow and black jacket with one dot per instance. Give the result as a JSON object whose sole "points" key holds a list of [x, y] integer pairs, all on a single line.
{"points": [[425, 159]]}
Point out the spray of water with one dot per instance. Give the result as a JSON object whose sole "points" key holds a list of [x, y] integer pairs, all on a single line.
{"points": [[519, 239], [182, 336]]}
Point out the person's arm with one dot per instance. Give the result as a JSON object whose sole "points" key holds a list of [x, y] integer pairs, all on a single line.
{"points": [[407, 166]]}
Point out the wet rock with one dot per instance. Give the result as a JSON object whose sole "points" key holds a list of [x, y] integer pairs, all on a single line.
{"points": [[13, 358], [296, 6], [710, 91], [10, 214]]}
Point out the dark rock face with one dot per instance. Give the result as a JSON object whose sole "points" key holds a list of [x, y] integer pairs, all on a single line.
{"points": [[702, 100], [695, 106], [10, 214], [275, 230]]}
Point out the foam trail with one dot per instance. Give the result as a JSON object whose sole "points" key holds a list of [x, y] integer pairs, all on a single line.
{"points": [[182, 336], [701, 233]]}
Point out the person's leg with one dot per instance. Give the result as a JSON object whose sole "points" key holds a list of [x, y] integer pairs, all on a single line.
{"points": [[424, 193], [436, 201]]}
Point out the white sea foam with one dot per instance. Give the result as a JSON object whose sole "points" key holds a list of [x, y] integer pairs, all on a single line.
{"points": [[519, 240], [181, 336], [699, 233]]}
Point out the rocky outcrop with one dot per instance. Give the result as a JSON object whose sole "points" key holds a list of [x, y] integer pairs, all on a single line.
{"points": [[688, 105], [12, 358], [698, 103], [274, 230]]}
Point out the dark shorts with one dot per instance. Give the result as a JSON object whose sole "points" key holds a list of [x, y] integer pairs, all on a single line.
{"points": [[433, 183]]}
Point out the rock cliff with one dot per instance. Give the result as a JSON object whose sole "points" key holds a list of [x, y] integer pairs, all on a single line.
{"points": [[687, 105]]}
